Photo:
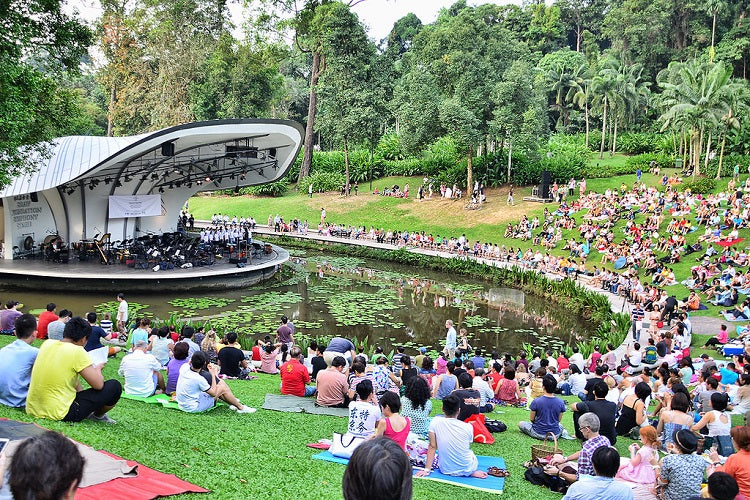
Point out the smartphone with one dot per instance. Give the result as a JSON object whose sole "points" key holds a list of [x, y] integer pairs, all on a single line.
{"points": [[3, 443]]}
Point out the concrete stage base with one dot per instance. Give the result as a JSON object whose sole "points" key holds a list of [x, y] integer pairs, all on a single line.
{"points": [[36, 274]]}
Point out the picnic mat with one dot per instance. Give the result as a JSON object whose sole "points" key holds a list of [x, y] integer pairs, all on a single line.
{"points": [[164, 400], [490, 484], [730, 317], [98, 468], [296, 404], [148, 484]]}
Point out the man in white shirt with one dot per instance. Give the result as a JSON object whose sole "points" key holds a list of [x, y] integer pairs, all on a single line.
{"points": [[485, 392], [142, 372], [122, 313], [450, 339], [577, 359], [452, 438]]}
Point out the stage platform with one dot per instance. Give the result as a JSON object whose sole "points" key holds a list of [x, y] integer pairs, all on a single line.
{"points": [[91, 276]]}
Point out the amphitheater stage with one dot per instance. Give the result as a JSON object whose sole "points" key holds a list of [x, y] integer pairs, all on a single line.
{"points": [[91, 276]]}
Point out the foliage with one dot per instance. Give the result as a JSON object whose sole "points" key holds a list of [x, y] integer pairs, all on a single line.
{"points": [[322, 181], [643, 161], [440, 155], [273, 189], [634, 143], [700, 185], [389, 147], [727, 167], [405, 167]]}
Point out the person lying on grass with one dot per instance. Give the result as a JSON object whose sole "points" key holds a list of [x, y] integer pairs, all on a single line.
{"points": [[198, 391], [451, 439]]}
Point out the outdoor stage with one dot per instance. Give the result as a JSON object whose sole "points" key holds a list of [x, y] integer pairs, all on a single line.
{"points": [[91, 276]]}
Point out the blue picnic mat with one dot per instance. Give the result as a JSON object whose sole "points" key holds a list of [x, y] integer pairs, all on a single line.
{"points": [[490, 484]]}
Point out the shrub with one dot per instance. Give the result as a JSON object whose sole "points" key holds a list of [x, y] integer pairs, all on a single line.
{"points": [[638, 142], [389, 147], [643, 161], [727, 166], [328, 161], [440, 155], [406, 167], [701, 185], [274, 189], [322, 181]]}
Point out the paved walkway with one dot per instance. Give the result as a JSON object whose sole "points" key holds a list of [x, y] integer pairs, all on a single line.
{"points": [[701, 324]]}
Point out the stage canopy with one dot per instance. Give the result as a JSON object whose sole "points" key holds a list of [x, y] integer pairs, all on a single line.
{"points": [[70, 194]]}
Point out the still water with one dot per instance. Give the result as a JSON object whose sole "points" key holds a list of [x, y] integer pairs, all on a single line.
{"points": [[386, 304]]}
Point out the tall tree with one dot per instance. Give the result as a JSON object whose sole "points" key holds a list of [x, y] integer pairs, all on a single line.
{"points": [[38, 42], [346, 105]]}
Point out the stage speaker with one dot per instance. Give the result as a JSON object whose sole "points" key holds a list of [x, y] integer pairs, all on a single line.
{"points": [[272, 152], [167, 149], [544, 186], [34, 197]]}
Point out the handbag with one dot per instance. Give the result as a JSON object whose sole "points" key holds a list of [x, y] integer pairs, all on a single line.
{"points": [[481, 433], [343, 445]]}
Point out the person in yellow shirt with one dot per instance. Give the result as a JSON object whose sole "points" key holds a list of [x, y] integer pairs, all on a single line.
{"points": [[55, 391]]}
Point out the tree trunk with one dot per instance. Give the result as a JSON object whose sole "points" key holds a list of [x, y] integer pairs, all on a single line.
{"points": [[469, 172], [312, 109], [614, 141], [721, 151], [685, 148], [510, 151], [586, 110], [346, 163], [708, 151], [712, 52], [604, 128], [111, 110]]}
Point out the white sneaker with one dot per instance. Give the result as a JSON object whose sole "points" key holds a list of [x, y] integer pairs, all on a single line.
{"points": [[104, 418], [246, 409], [232, 407]]}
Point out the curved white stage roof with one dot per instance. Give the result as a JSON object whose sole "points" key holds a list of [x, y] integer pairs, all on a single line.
{"points": [[69, 194]]}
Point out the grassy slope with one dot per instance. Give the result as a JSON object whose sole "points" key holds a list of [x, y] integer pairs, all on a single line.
{"points": [[437, 216]]}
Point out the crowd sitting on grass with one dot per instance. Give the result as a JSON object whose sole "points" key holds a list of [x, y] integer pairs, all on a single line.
{"points": [[646, 394]]}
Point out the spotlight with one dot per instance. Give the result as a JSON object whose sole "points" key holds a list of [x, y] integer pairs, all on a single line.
{"points": [[118, 184], [190, 184], [161, 189], [71, 191], [154, 176], [177, 184], [128, 178], [231, 177], [236, 189], [199, 182], [208, 178], [107, 180], [171, 186], [144, 178], [91, 186]]}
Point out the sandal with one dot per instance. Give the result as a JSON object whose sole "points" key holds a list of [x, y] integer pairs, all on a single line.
{"points": [[498, 472]]}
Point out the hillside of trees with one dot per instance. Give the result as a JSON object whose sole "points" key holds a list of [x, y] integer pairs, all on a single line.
{"points": [[495, 92]]}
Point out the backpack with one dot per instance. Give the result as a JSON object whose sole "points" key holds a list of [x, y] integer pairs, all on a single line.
{"points": [[650, 355]]}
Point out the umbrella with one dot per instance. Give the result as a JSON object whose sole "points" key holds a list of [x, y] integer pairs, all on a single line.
{"points": [[620, 262]]}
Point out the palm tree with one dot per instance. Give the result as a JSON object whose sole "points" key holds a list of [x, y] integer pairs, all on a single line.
{"points": [[713, 7], [582, 78], [604, 90], [697, 96], [560, 81]]}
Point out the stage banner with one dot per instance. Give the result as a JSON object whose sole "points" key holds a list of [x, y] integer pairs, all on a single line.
{"points": [[143, 205]]}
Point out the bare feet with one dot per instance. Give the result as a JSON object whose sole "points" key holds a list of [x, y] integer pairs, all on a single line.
{"points": [[479, 474]]}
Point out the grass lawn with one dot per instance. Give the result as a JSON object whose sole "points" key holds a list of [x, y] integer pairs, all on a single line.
{"points": [[263, 455]]}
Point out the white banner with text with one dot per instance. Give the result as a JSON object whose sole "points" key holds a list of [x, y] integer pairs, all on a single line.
{"points": [[143, 205]]}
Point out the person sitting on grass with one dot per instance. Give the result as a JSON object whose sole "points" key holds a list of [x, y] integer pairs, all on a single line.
{"points": [[507, 391], [142, 372], [180, 352], [719, 339], [16, 362], [97, 335], [468, 396], [294, 376], [232, 362], [393, 425], [196, 394], [161, 346], [589, 423], [602, 485], [416, 404], [332, 386], [451, 439], [364, 413], [546, 413], [268, 358], [378, 469], [55, 391]]}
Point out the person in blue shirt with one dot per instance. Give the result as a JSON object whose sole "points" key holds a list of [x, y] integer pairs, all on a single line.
{"points": [[16, 361], [729, 375]]}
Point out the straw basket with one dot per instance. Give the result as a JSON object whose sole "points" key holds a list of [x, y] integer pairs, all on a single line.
{"points": [[544, 450]]}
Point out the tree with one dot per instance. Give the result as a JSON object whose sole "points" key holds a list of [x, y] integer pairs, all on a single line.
{"points": [[581, 98], [713, 7], [38, 43], [346, 110]]}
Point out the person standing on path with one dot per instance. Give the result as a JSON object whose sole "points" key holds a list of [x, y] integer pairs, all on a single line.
{"points": [[322, 215], [309, 190], [450, 339], [510, 202], [122, 313]]}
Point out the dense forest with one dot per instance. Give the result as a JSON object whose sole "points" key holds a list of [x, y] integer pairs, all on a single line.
{"points": [[494, 92]]}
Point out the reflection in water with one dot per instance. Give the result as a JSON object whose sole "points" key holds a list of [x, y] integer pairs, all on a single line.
{"points": [[387, 304]]}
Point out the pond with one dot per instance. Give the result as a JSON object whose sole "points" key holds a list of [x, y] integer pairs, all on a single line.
{"points": [[377, 302]]}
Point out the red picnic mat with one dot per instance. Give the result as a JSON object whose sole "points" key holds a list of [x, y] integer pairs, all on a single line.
{"points": [[148, 484], [729, 243]]}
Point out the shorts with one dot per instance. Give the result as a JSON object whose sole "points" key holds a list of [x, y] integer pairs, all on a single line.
{"points": [[91, 400], [205, 402]]}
